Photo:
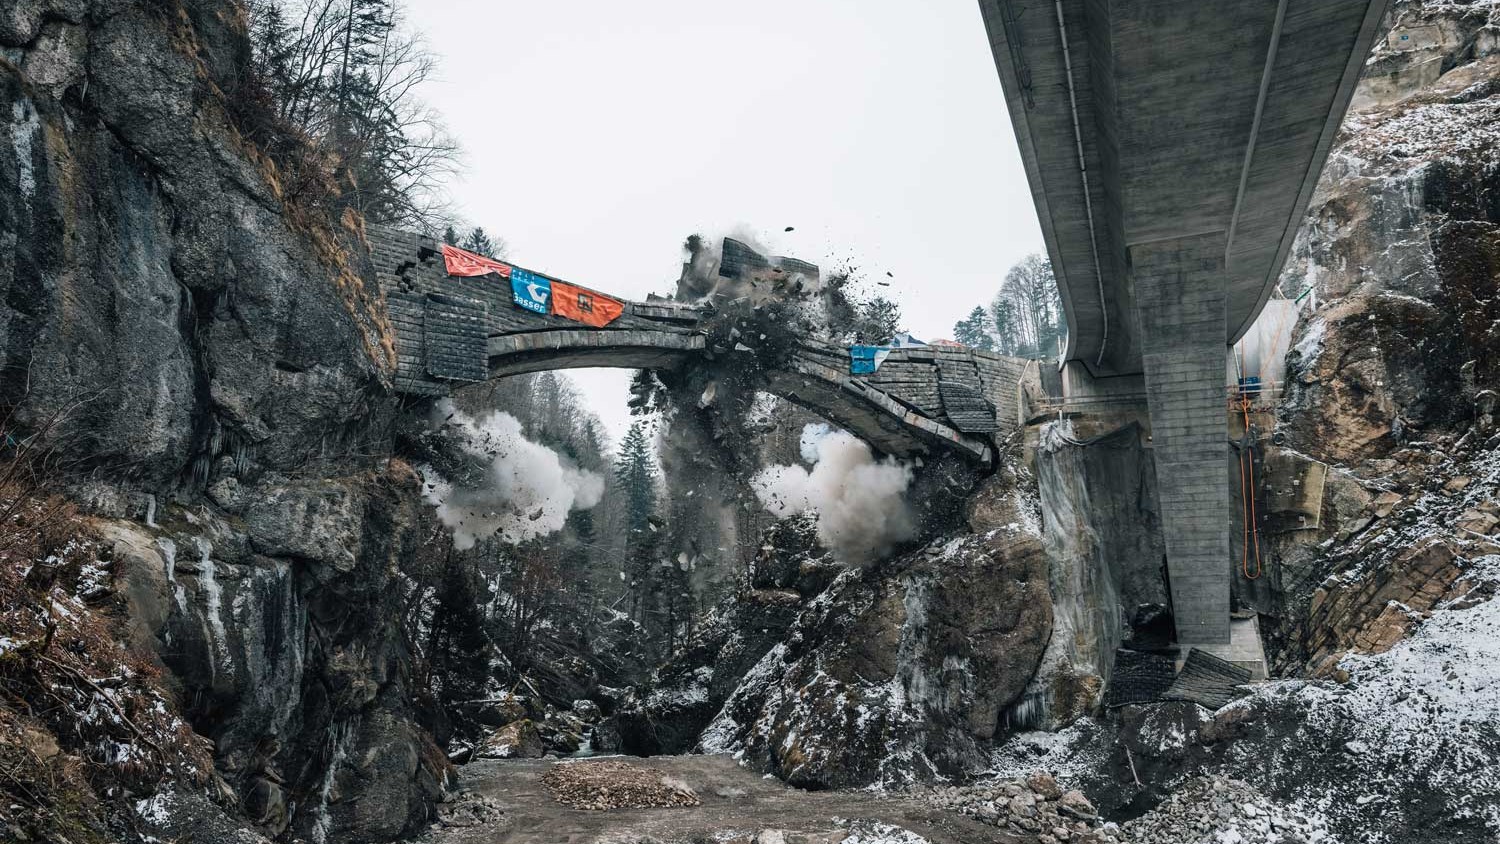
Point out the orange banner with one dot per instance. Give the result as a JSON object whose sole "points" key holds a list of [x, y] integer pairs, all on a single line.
{"points": [[585, 306], [462, 262]]}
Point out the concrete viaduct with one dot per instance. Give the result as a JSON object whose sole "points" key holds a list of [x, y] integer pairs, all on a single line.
{"points": [[452, 331], [1172, 147]]}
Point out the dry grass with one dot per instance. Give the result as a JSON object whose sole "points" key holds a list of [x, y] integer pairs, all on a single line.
{"points": [[65, 679]]}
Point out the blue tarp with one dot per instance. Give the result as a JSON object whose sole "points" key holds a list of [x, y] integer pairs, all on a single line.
{"points": [[864, 360], [531, 291]]}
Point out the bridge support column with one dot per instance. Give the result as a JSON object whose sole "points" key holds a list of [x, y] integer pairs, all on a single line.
{"points": [[1179, 288]]}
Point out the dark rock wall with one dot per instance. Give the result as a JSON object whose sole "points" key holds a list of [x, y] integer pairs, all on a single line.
{"points": [[1392, 378], [900, 672], [1102, 532], [215, 378], [152, 286]]}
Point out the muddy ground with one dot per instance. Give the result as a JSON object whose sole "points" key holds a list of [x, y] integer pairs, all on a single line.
{"points": [[738, 805]]}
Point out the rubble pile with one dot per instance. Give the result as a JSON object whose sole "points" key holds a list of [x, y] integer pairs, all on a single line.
{"points": [[469, 809], [1035, 806], [1209, 810], [612, 784]]}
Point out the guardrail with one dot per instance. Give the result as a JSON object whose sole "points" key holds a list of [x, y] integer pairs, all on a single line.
{"points": [[1262, 398]]}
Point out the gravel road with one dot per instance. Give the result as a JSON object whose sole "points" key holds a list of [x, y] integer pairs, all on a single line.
{"points": [[508, 804]]}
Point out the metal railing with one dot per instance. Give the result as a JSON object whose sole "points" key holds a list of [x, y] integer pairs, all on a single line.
{"points": [[1261, 398]]}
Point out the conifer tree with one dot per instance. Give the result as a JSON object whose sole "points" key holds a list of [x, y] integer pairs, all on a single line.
{"points": [[479, 242], [973, 331], [635, 477]]}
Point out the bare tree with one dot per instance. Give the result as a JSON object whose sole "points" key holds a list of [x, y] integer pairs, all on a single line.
{"points": [[1027, 311], [345, 74]]}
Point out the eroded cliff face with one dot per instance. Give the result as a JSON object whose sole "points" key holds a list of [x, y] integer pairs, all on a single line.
{"points": [[1393, 377], [897, 673], [154, 288], [205, 358]]}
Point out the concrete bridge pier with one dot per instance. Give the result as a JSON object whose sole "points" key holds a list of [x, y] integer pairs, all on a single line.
{"points": [[1180, 296]]}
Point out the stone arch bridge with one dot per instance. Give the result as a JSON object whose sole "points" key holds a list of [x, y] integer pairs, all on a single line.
{"points": [[451, 331]]}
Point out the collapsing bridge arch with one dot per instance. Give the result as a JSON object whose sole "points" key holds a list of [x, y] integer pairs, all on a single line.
{"points": [[452, 331]]}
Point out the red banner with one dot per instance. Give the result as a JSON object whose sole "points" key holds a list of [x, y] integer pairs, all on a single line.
{"points": [[585, 306], [465, 263]]}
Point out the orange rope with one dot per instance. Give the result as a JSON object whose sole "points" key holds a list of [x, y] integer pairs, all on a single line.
{"points": [[1247, 509], [1248, 514]]}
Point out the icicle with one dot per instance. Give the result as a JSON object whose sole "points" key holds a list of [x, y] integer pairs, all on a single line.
{"points": [[201, 465], [242, 457], [1028, 713]]}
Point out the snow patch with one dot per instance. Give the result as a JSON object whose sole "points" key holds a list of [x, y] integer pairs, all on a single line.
{"points": [[27, 125]]}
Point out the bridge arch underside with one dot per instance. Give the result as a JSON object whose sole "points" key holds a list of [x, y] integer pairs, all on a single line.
{"points": [[887, 425]]}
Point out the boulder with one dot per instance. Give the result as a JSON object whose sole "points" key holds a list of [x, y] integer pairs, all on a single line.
{"points": [[898, 672], [1075, 804], [587, 711], [265, 804], [319, 521], [516, 740], [502, 711], [1044, 785]]}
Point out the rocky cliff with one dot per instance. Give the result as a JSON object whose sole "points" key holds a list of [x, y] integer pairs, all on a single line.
{"points": [[830, 675], [201, 351], [1393, 378]]}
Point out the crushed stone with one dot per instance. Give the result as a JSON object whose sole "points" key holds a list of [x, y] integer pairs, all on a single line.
{"points": [[611, 784]]}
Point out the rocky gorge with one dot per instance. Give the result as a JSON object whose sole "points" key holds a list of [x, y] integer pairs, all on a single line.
{"points": [[205, 611]]}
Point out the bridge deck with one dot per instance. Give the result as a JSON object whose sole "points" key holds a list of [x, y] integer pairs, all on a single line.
{"points": [[1147, 120], [455, 330]]}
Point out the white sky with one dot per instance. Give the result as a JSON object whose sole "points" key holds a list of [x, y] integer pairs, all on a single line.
{"points": [[599, 134]]}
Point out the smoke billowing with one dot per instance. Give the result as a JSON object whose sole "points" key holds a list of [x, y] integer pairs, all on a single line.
{"points": [[524, 489], [859, 501]]}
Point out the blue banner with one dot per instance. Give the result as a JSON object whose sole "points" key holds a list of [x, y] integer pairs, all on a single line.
{"points": [[864, 360], [531, 291]]}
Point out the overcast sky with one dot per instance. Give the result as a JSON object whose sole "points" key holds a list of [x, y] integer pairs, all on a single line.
{"points": [[599, 134]]}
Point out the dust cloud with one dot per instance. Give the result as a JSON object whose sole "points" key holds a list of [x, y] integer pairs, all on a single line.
{"points": [[859, 501], [525, 490]]}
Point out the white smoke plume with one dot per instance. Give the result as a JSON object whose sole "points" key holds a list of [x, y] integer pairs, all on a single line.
{"points": [[527, 490], [859, 501]]}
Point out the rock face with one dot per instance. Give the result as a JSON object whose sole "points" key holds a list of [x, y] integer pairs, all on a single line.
{"points": [[1400, 248], [1103, 538], [208, 365], [152, 286], [1393, 378], [900, 672], [291, 664], [668, 713]]}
